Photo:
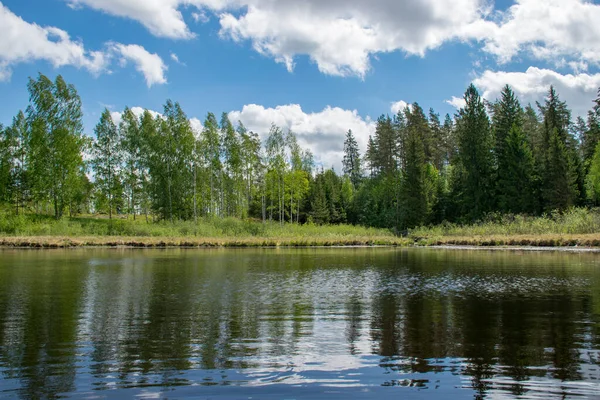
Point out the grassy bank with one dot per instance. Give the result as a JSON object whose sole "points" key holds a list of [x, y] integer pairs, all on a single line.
{"points": [[44, 231], [578, 227]]}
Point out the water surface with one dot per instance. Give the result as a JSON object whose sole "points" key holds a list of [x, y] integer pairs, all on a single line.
{"points": [[292, 324]]}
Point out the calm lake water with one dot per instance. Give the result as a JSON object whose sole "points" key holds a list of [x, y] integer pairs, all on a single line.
{"points": [[293, 324]]}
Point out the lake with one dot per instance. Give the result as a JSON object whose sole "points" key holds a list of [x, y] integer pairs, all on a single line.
{"points": [[366, 323]]}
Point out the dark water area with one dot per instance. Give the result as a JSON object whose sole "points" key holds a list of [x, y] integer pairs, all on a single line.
{"points": [[295, 324]]}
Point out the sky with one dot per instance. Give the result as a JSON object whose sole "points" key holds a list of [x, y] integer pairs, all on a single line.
{"points": [[316, 67]]}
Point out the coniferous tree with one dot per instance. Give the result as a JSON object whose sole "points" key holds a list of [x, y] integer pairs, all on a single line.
{"points": [[352, 162], [591, 136], [512, 157], [371, 156], [593, 178], [515, 181], [5, 164], [560, 174], [475, 186], [413, 189], [439, 141]]}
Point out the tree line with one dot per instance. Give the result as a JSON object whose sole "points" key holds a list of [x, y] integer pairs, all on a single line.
{"points": [[490, 157]]}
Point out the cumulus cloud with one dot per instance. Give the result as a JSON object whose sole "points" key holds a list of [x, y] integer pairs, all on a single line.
{"points": [[457, 102], [21, 42], [322, 132], [578, 90], [197, 126], [338, 35], [545, 29], [117, 116], [341, 36], [148, 64], [161, 17], [399, 106]]}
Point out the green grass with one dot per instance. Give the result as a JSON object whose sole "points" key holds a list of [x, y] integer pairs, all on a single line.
{"points": [[574, 221], [227, 231], [576, 227]]}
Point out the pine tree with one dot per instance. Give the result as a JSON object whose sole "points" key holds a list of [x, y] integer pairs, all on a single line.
{"points": [[352, 162]]}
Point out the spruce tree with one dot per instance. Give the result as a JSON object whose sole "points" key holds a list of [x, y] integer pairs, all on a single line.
{"points": [[475, 188], [371, 156], [591, 136], [352, 162], [593, 178], [560, 174], [506, 121], [413, 189], [515, 181]]}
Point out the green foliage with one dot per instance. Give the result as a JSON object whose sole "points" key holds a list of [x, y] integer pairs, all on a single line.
{"points": [[56, 143], [593, 178], [419, 170], [107, 161], [352, 162], [475, 190], [515, 179], [572, 221]]}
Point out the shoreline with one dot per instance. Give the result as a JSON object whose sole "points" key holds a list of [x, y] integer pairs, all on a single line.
{"points": [[584, 242]]}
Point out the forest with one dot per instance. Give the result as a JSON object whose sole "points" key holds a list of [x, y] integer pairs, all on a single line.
{"points": [[492, 157]]}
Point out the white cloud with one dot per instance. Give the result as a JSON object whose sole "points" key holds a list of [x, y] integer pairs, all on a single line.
{"points": [[578, 90], [148, 64], [338, 35], [161, 17], [175, 58], [322, 132], [341, 36], [117, 116], [197, 126], [399, 106], [200, 17], [544, 29], [21, 42], [457, 102]]}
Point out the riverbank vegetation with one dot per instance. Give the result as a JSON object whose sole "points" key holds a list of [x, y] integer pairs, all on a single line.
{"points": [[530, 170]]}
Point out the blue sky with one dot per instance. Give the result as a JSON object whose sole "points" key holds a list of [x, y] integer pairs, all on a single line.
{"points": [[316, 67]]}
